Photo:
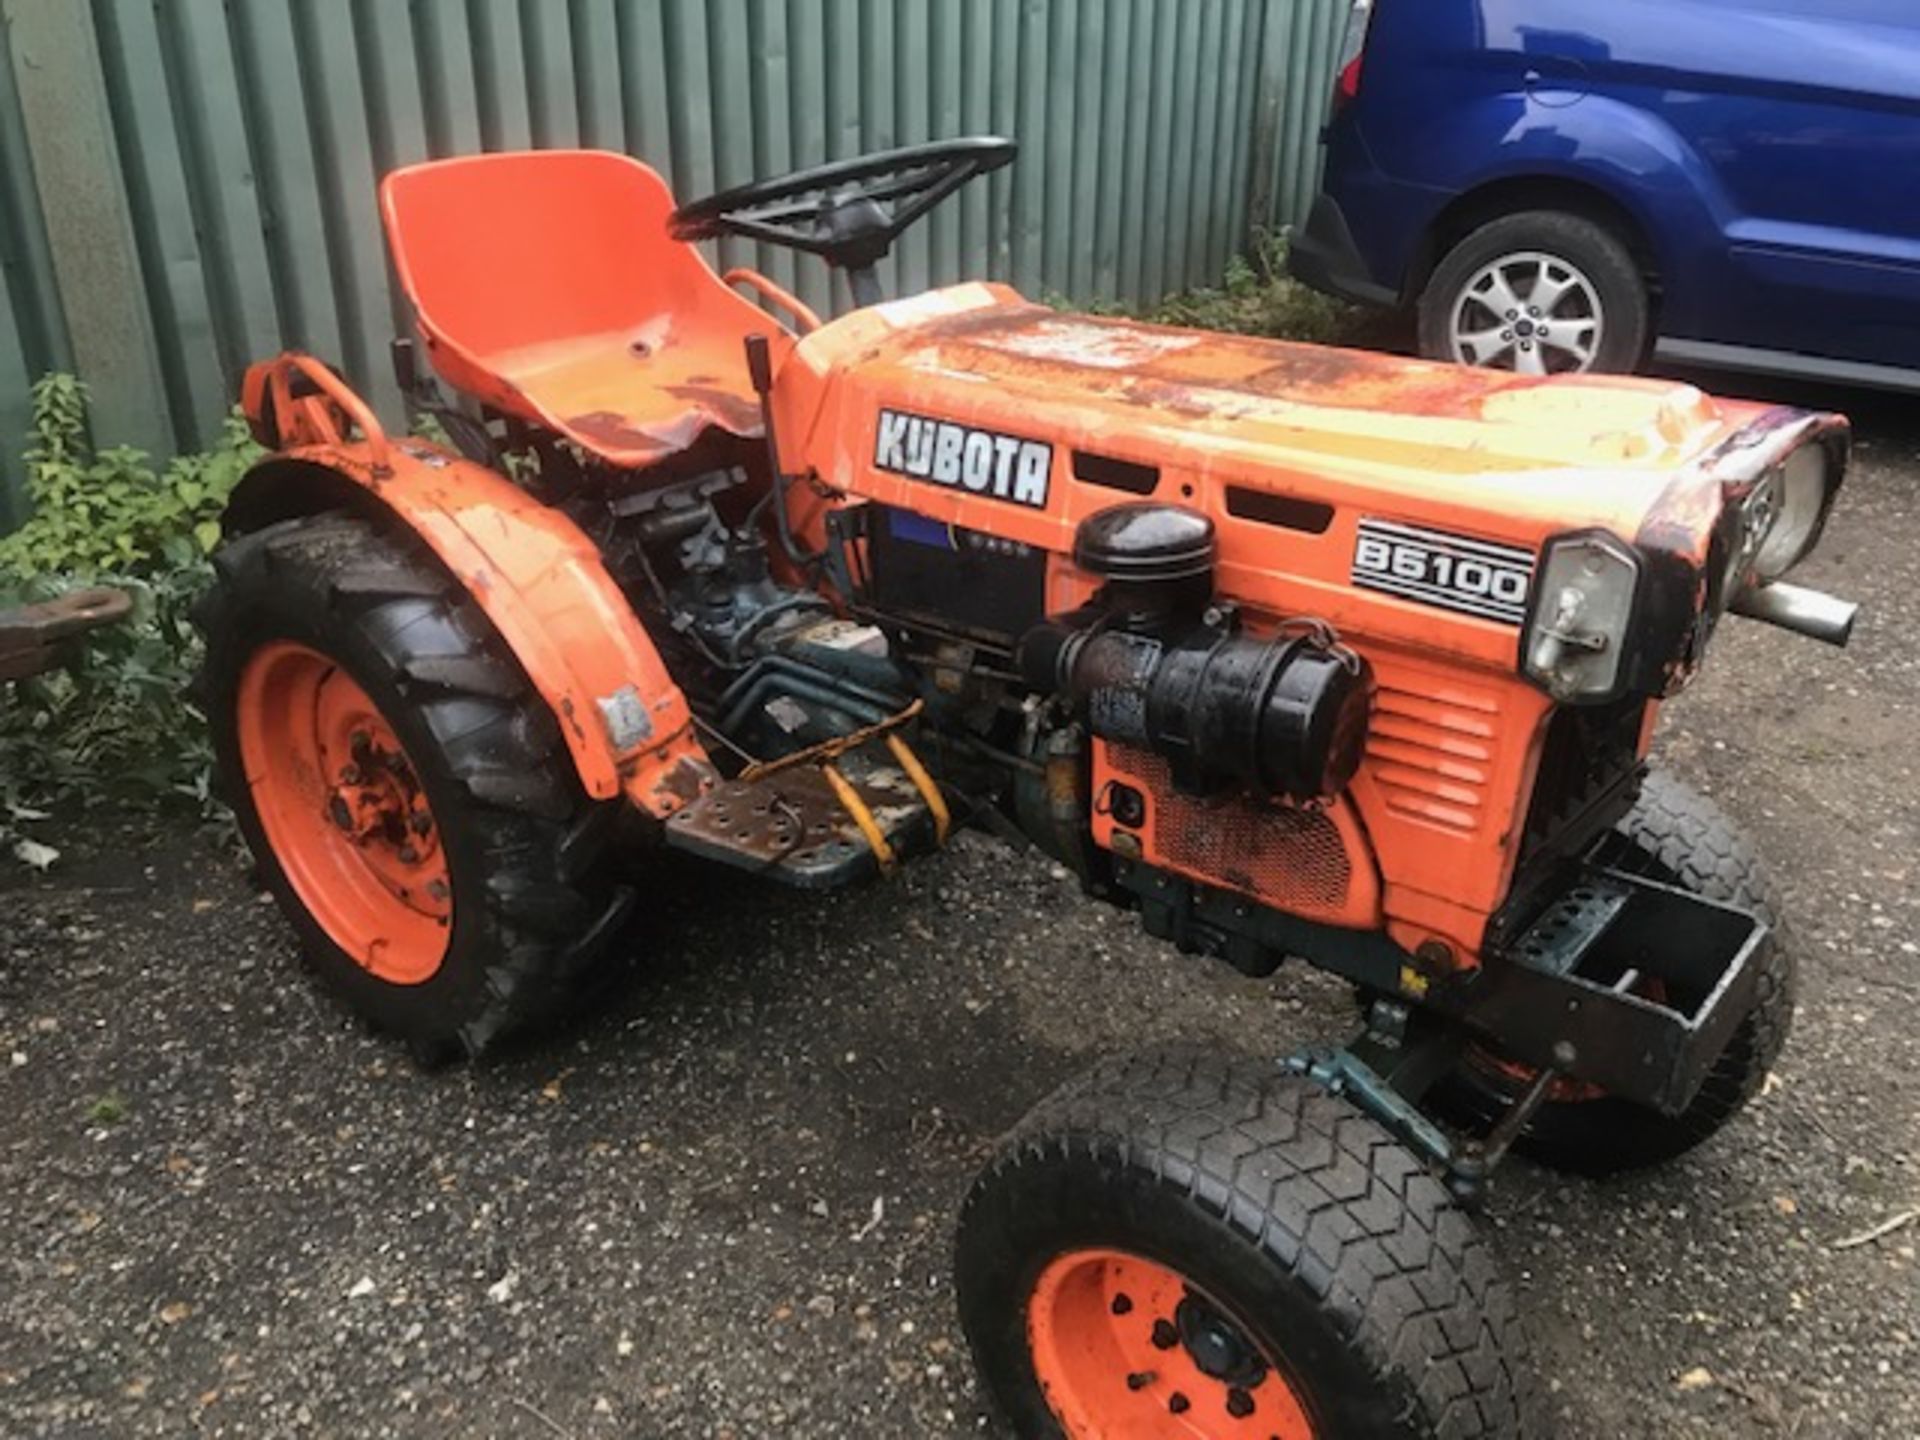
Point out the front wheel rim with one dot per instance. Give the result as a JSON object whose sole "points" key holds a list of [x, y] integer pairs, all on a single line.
{"points": [[344, 812], [1123, 1345], [1529, 312]]}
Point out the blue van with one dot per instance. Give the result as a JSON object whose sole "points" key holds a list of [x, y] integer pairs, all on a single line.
{"points": [[1578, 184]]}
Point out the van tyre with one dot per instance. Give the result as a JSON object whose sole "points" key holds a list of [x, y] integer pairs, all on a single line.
{"points": [[1538, 292], [1676, 836], [462, 891], [1175, 1243]]}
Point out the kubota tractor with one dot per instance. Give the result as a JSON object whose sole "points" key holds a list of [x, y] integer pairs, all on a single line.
{"points": [[1295, 651]]}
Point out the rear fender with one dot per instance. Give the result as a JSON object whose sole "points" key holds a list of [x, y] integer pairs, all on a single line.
{"points": [[536, 576]]}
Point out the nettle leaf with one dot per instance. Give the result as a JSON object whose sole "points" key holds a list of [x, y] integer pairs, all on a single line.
{"points": [[115, 726]]}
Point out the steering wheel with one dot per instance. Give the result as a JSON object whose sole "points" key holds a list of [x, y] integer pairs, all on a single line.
{"points": [[849, 212]]}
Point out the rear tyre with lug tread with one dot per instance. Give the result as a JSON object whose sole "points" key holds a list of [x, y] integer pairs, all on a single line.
{"points": [[407, 796], [1177, 1244]]}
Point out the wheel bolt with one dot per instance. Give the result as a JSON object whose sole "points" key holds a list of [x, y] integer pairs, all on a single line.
{"points": [[409, 854], [1506, 334], [1534, 310], [1165, 1337], [1139, 1379], [1239, 1403], [1513, 314], [438, 889], [1122, 1304], [1178, 1403]]}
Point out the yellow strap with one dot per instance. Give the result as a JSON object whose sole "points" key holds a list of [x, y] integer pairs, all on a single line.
{"points": [[863, 817], [924, 783]]}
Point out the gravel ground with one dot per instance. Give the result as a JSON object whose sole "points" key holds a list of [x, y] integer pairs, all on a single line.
{"points": [[722, 1204]]}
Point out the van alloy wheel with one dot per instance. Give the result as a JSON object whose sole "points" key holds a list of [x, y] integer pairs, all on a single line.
{"points": [[1539, 292], [1529, 312]]}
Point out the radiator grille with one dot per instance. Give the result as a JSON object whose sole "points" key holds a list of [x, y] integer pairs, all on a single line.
{"points": [[1292, 858], [1591, 755]]}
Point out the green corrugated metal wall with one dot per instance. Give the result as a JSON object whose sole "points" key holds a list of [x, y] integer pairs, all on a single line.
{"points": [[241, 141]]}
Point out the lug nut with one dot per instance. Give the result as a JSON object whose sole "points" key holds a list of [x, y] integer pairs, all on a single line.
{"points": [[421, 822], [1139, 1379], [1178, 1403], [1239, 1403], [1122, 1303], [438, 889], [408, 854], [339, 813], [1165, 1337]]}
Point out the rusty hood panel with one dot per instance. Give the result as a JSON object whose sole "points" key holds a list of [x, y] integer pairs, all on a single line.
{"points": [[1485, 455]]}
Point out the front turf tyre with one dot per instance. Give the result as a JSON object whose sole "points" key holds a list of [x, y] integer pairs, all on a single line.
{"points": [[407, 796], [1677, 836], [1541, 292], [1178, 1245]]}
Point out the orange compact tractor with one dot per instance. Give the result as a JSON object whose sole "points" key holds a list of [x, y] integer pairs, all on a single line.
{"points": [[1294, 651]]}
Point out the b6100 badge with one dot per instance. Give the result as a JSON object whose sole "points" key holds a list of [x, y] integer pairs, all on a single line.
{"points": [[1451, 571]]}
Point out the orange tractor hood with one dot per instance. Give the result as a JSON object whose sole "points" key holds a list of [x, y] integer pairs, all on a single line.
{"points": [[1516, 457], [1293, 449]]}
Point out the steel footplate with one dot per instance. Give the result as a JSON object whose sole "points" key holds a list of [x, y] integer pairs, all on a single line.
{"points": [[791, 825]]}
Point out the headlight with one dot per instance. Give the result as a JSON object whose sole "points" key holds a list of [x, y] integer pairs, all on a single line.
{"points": [[1799, 488], [1577, 635]]}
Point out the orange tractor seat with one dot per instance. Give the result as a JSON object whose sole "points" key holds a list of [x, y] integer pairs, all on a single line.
{"points": [[547, 286]]}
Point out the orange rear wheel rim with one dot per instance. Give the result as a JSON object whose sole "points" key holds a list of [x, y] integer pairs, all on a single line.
{"points": [[1124, 1346], [344, 811]]}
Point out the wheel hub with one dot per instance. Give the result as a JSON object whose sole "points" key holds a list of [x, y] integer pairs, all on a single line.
{"points": [[1218, 1348], [1123, 1345], [345, 813]]}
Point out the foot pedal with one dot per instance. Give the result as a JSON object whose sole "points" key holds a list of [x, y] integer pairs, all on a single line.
{"points": [[791, 825]]}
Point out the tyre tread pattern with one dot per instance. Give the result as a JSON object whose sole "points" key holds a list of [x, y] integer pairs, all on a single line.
{"points": [[1329, 1196], [493, 735]]}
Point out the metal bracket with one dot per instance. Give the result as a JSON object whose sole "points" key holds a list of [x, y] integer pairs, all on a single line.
{"points": [[1386, 1070]]}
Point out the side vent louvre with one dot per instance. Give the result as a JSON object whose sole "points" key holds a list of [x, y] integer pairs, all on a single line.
{"points": [[1114, 474], [1289, 512]]}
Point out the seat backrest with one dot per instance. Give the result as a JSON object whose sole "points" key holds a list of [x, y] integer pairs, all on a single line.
{"points": [[503, 252]]}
